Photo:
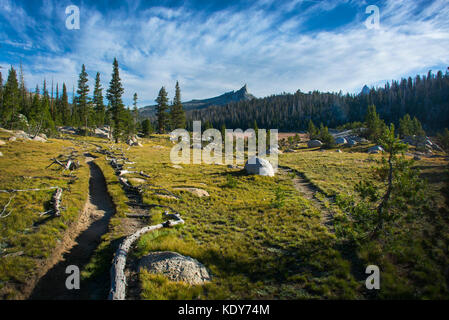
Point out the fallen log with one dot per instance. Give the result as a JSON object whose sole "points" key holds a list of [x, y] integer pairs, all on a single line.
{"points": [[56, 200], [144, 175], [26, 190], [123, 172], [68, 165], [118, 278], [3, 214]]}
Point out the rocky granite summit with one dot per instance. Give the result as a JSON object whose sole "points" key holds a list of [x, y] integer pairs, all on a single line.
{"points": [[228, 97]]}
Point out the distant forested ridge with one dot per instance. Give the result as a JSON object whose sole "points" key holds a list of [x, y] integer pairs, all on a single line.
{"points": [[228, 97], [425, 97]]}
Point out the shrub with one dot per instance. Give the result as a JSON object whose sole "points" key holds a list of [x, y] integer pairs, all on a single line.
{"points": [[279, 198]]}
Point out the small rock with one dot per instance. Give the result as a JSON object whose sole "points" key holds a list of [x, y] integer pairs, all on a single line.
{"points": [[352, 142], [40, 139], [1, 154], [176, 166], [166, 196], [195, 191], [12, 139], [137, 180], [2, 143], [339, 151], [23, 136], [416, 157]]}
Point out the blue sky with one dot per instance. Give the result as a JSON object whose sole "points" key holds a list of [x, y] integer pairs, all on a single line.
{"points": [[216, 46]]}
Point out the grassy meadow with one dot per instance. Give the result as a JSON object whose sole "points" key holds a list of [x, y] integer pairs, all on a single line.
{"points": [[259, 237], [28, 239]]}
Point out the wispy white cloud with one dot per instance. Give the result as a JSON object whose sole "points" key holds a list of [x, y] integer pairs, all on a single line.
{"points": [[210, 53]]}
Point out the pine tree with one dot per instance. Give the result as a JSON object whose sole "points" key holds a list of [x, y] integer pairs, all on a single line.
{"points": [[73, 113], [11, 98], [1, 94], [312, 130], [177, 114], [114, 95], [223, 132], [147, 128], [417, 128], [24, 108], [405, 126], [99, 107], [162, 106], [375, 125], [82, 100], [256, 132], [58, 108], [129, 122], [135, 114], [65, 108], [325, 137], [35, 104]]}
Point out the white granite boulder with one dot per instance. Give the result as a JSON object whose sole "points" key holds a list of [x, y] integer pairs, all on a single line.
{"points": [[259, 166]]}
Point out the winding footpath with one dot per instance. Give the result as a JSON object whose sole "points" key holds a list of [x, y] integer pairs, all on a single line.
{"points": [[309, 190], [79, 244]]}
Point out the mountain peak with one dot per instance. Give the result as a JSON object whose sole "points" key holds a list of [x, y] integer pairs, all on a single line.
{"points": [[232, 96], [244, 89]]}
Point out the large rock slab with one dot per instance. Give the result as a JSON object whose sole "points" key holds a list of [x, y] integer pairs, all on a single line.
{"points": [[176, 267], [314, 144], [259, 166]]}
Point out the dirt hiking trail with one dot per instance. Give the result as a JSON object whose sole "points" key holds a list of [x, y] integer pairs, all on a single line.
{"points": [[92, 224]]}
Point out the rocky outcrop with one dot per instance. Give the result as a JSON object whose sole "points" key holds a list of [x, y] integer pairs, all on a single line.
{"points": [[176, 267], [422, 143], [340, 140]]}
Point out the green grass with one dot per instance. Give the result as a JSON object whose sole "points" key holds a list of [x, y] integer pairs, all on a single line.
{"points": [[254, 249], [26, 238], [258, 236], [414, 261]]}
